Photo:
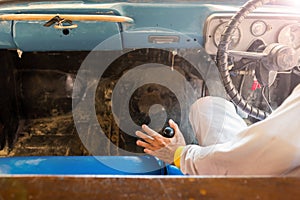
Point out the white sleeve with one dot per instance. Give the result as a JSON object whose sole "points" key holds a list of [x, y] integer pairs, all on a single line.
{"points": [[214, 120], [269, 147]]}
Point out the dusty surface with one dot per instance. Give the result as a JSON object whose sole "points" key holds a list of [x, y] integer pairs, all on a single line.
{"points": [[49, 136], [149, 187]]}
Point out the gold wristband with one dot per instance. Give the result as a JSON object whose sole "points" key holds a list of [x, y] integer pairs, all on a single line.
{"points": [[177, 156]]}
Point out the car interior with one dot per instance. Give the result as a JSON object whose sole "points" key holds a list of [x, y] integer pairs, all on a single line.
{"points": [[78, 78]]}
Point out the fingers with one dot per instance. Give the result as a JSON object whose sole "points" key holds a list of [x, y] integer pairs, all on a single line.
{"points": [[154, 142], [150, 152], [150, 132], [155, 145], [144, 136], [145, 145]]}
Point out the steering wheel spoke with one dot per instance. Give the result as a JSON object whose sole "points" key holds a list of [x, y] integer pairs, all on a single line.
{"points": [[246, 54]]}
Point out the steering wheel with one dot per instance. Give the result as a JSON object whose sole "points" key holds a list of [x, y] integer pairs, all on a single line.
{"points": [[275, 57]]}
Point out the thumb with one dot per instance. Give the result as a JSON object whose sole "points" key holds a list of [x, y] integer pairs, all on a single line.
{"points": [[173, 125]]}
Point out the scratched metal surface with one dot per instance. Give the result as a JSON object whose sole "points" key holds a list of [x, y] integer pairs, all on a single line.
{"points": [[148, 187]]}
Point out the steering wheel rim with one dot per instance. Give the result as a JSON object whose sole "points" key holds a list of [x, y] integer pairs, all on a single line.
{"points": [[222, 59]]}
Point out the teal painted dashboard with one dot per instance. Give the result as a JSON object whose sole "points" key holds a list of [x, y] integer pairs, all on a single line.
{"points": [[152, 22]]}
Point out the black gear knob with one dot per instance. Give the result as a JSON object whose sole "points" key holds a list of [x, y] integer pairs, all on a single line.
{"points": [[168, 132]]}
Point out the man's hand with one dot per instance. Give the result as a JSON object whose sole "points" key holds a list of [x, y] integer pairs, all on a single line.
{"points": [[159, 146]]}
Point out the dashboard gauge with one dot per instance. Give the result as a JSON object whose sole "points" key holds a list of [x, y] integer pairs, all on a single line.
{"points": [[290, 35], [258, 28], [235, 38]]}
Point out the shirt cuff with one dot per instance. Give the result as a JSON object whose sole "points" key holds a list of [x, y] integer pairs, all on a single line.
{"points": [[177, 156]]}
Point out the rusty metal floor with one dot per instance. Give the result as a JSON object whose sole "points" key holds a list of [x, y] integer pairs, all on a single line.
{"points": [[54, 136]]}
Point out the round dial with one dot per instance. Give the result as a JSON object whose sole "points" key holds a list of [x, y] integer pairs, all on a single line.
{"points": [[234, 39], [258, 28], [290, 35]]}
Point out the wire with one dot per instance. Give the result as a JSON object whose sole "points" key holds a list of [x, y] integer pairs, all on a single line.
{"points": [[243, 65], [242, 84], [264, 97]]}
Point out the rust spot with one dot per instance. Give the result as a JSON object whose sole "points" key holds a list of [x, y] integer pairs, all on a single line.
{"points": [[191, 179], [203, 192]]}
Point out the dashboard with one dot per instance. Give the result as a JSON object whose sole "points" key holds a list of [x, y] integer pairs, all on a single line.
{"points": [[274, 28], [170, 26]]}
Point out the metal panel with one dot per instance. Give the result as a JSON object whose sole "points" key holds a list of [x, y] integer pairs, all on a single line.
{"points": [[6, 40], [85, 165], [33, 36], [148, 187]]}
